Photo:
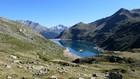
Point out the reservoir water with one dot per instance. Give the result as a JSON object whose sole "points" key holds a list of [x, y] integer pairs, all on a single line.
{"points": [[82, 49]]}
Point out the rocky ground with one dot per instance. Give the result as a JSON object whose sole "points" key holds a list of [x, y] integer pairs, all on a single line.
{"points": [[121, 65]]}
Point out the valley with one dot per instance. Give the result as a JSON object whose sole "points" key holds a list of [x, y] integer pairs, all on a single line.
{"points": [[25, 53]]}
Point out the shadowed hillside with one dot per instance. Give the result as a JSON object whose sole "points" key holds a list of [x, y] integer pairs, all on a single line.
{"points": [[116, 32]]}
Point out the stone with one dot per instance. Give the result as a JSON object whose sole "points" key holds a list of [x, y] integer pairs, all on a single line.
{"points": [[32, 66], [9, 77], [81, 78], [20, 30], [115, 59], [107, 74], [8, 66], [115, 75], [19, 66], [133, 70], [12, 56], [94, 75], [16, 61], [53, 77]]}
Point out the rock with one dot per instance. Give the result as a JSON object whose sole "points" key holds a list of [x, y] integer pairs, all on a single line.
{"points": [[16, 61], [32, 66], [19, 66], [12, 56], [133, 70], [85, 60], [9, 77], [107, 74], [53, 77], [20, 30], [94, 75], [115, 59], [81, 78], [8, 66], [115, 75]]}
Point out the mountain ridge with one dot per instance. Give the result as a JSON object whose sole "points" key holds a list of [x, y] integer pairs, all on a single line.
{"points": [[101, 30], [25, 54], [49, 33]]}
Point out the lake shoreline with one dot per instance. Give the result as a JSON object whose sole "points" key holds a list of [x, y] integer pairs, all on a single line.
{"points": [[60, 39], [70, 55]]}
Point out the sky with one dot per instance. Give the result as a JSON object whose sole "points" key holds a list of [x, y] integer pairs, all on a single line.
{"points": [[67, 12]]}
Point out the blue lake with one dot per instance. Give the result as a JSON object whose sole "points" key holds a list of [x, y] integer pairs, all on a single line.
{"points": [[82, 49]]}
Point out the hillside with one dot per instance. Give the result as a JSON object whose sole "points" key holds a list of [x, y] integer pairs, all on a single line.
{"points": [[17, 37], [103, 31], [49, 33], [25, 54]]}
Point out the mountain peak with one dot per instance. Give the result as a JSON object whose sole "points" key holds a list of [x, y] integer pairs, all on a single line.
{"points": [[80, 23], [122, 10]]}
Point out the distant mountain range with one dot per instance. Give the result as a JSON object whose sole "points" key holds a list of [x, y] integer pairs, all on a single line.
{"points": [[49, 33], [120, 31]]}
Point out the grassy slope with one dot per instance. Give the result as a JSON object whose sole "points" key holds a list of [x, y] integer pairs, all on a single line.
{"points": [[17, 37], [30, 48]]}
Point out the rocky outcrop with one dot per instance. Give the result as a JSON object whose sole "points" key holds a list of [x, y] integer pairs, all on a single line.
{"points": [[115, 75]]}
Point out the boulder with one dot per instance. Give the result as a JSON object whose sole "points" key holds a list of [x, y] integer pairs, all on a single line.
{"points": [[115, 75], [115, 59]]}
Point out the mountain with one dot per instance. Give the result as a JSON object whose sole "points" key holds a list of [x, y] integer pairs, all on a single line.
{"points": [[25, 54], [58, 28], [116, 32], [34, 25], [49, 33]]}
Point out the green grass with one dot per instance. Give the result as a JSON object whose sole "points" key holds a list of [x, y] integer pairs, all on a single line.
{"points": [[16, 44]]}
